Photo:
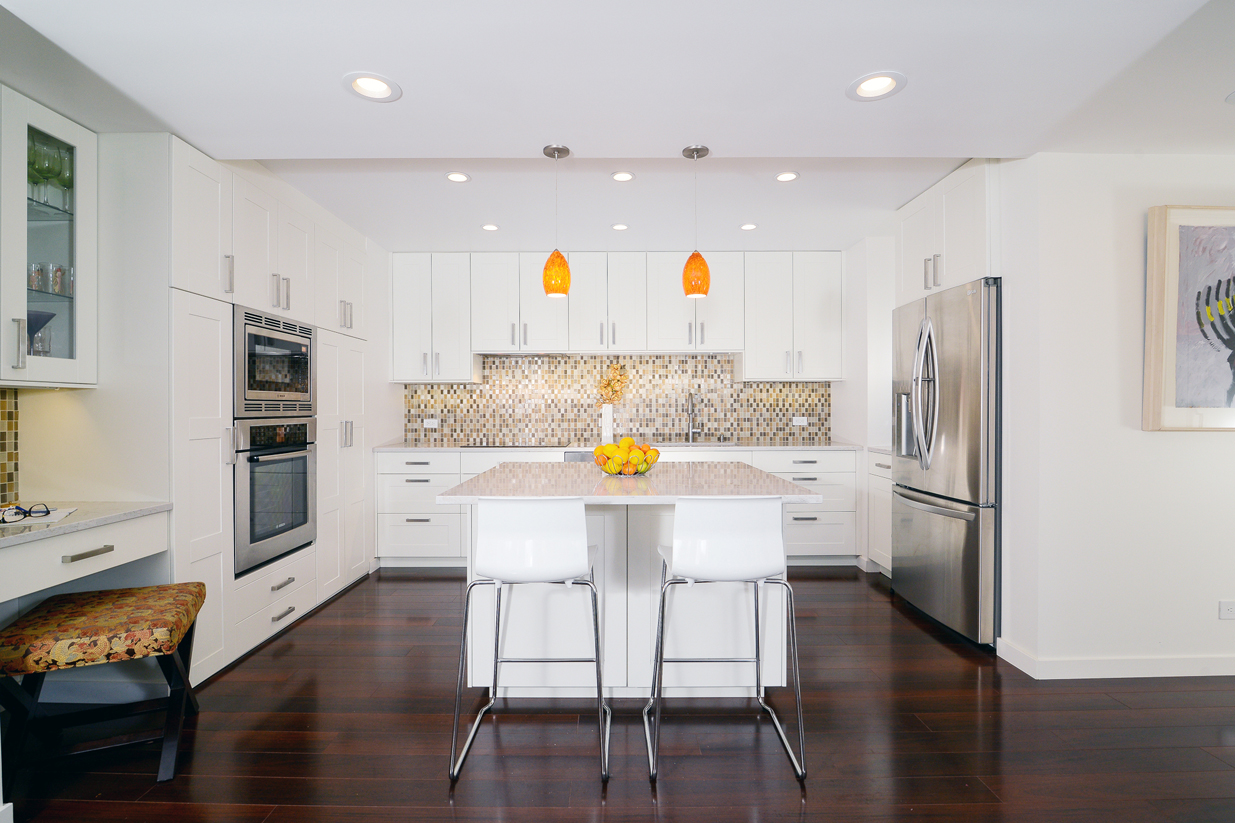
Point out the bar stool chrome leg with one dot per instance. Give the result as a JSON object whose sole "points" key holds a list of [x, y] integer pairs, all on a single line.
{"points": [[799, 769], [455, 766], [604, 716], [657, 666]]}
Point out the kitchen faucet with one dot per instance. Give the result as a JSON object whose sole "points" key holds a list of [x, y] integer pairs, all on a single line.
{"points": [[691, 431]]}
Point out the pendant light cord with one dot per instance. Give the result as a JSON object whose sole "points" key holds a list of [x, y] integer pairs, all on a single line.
{"points": [[695, 169], [556, 228]]}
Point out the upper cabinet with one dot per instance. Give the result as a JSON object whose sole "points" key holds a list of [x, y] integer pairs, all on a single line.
{"points": [[608, 301], [273, 251], [338, 285], [793, 316], [676, 322], [510, 310], [943, 236], [202, 260], [48, 247], [431, 311], [543, 320]]}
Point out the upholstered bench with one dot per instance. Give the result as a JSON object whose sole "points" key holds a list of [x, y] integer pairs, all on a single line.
{"points": [[89, 628]]}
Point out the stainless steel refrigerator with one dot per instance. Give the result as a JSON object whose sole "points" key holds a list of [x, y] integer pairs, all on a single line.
{"points": [[945, 463]]}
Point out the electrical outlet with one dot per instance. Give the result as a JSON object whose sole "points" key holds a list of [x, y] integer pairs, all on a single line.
{"points": [[430, 422], [1226, 609], [799, 421]]}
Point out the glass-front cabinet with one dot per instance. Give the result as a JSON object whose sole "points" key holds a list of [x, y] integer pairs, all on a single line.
{"points": [[48, 247]]}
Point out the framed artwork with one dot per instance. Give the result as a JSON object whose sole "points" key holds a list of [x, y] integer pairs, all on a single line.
{"points": [[1190, 320]]}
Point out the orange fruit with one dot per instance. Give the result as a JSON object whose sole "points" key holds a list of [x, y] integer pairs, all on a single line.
{"points": [[601, 460], [645, 448], [629, 469]]}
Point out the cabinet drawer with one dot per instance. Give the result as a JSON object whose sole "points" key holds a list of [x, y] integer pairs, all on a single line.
{"points": [[434, 462], [879, 464], [796, 461], [420, 535], [273, 617], [700, 455], [272, 584], [821, 533], [837, 489], [399, 493], [475, 462], [31, 567]]}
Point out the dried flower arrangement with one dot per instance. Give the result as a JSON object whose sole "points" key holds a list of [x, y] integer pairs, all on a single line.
{"points": [[612, 385]]}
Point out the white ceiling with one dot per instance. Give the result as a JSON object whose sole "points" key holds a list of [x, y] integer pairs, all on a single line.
{"points": [[488, 83]]}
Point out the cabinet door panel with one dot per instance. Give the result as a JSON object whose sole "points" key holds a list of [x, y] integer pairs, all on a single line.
{"points": [[817, 315], [495, 302], [915, 245], [769, 316], [588, 301], [452, 349], [295, 264], [719, 323], [411, 309], [201, 222], [963, 238], [880, 513], [628, 304], [254, 244], [671, 314], [351, 289], [544, 325], [327, 262]]}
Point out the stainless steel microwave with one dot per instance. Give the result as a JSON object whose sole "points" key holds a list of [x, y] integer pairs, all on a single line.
{"points": [[275, 369]]}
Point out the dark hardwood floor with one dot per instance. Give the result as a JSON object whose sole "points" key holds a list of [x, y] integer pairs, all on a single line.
{"points": [[346, 717]]}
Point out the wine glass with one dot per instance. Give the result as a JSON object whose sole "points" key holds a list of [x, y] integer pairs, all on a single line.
{"points": [[65, 178]]}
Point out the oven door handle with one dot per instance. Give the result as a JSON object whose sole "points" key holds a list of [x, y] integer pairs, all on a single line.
{"points": [[261, 458]]}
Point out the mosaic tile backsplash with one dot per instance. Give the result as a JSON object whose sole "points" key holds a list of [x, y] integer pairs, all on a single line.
{"points": [[8, 446], [550, 400]]}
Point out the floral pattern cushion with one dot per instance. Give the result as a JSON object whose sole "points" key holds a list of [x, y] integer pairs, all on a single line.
{"points": [[68, 630]]}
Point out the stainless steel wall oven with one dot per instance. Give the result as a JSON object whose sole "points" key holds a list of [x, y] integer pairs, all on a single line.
{"points": [[275, 374], [276, 489]]}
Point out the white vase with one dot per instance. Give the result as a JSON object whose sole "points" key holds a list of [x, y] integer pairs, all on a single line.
{"points": [[606, 423]]}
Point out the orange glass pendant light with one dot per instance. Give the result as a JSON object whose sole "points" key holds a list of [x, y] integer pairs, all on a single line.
{"points": [[556, 277], [695, 275]]}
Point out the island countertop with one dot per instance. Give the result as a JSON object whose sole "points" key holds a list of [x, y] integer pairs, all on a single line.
{"points": [[661, 486]]}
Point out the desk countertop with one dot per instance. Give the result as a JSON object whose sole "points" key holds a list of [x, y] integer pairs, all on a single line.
{"points": [[87, 516]]}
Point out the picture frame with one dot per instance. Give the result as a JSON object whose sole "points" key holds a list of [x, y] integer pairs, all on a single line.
{"points": [[1190, 319]]}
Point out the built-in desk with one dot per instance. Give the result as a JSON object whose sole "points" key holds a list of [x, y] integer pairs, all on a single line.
{"points": [[627, 518]]}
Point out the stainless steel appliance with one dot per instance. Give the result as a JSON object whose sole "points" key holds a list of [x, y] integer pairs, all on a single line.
{"points": [[274, 366], [276, 489], [945, 464]]}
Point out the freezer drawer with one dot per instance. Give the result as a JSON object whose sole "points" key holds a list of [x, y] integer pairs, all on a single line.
{"points": [[943, 557]]}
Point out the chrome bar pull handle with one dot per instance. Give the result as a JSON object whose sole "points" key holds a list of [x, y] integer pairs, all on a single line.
{"points": [[690, 334], [287, 293], [419, 519], [425, 364], [885, 466], [788, 362], [73, 558], [350, 314], [231, 273], [701, 333], [806, 518], [22, 342], [613, 333], [935, 268], [800, 368], [602, 332], [805, 479], [289, 581], [926, 272], [278, 290], [525, 334], [416, 480], [231, 446], [809, 462], [512, 334], [343, 314], [437, 363], [279, 617]]}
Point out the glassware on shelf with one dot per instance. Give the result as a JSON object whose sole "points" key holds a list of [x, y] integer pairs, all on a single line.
{"points": [[34, 277], [65, 178], [71, 282], [56, 280]]}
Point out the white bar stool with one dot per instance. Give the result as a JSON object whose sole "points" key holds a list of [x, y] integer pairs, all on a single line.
{"points": [[731, 540], [529, 540]]}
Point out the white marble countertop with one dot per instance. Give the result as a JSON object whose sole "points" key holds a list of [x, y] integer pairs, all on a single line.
{"points": [[746, 444], [662, 485], [87, 516], [879, 450]]}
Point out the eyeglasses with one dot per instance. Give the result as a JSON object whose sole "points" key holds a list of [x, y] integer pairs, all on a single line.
{"points": [[13, 514]]}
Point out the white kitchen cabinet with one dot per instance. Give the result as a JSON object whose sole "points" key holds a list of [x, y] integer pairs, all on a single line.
{"points": [[608, 301], [201, 227], [338, 285], [295, 265], [431, 319], [340, 548], [49, 316], [944, 234], [255, 246], [793, 316], [409, 521], [543, 320], [680, 323], [495, 302], [203, 535], [879, 510]]}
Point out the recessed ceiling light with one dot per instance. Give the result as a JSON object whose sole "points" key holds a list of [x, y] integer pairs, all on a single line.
{"points": [[373, 87], [749, 227], [489, 227], [623, 176], [620, 227], [876, 86], [786, 176], [457, 177]]}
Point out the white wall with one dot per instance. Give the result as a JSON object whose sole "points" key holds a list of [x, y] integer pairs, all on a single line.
{"points": [[1116, 542], [384, 401], [861, 403]]}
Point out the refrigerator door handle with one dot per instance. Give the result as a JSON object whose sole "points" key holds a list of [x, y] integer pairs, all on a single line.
{"points": [[940, 510], [928, 442], [915, 399]]}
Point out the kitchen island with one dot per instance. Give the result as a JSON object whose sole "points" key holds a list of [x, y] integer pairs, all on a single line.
{"points": [[627, 518]]}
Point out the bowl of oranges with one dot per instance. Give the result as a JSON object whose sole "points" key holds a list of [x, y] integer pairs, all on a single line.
{"points": [[625, 457]]}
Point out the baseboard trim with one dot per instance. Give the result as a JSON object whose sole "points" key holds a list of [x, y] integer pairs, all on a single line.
{"points": [[421, 563], [1090, 668], [1017, 656], [823, 560]]}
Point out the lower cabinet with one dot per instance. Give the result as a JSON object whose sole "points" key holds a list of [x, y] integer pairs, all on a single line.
{"points": [[410, 523], [879, 510], [826, 529], [273, 598]]}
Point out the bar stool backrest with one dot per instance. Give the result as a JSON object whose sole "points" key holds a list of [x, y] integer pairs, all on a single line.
{"points": [[727, 538], [531, 539]]}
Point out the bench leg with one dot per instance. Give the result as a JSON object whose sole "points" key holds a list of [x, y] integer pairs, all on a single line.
{"points": [[185, 650], [21, 703], [178, 681]]}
